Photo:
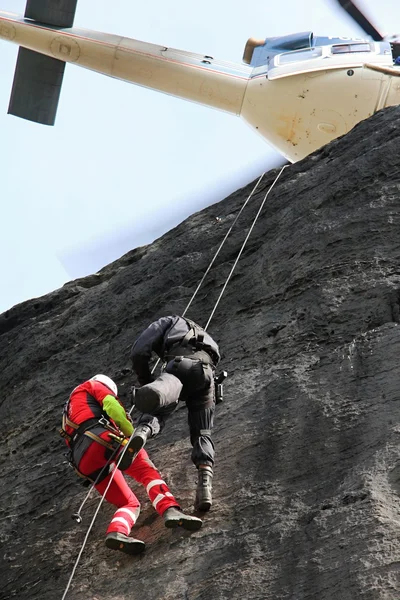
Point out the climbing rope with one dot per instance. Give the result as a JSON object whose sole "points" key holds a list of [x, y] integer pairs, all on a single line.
{"points": [[96, 512], [77, 515], [243, 246], [216, 254], [205, 328], [221, 245]]}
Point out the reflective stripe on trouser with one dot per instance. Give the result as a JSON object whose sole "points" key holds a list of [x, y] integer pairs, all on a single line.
{"points": [[121, 495], [123, 520], [144, 471], [119, 492], [158, 492]]}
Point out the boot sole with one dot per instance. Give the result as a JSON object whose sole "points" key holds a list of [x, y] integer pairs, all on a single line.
{"points": [[133, 547], [184, 523], [134, 447]]}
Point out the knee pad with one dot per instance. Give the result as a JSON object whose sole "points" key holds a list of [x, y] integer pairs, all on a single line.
{"points": [[193, 374], [180, 367], [162, 392]]}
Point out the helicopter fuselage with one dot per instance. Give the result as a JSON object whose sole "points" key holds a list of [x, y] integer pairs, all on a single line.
{"points": [[298, 101], [316, 94]]}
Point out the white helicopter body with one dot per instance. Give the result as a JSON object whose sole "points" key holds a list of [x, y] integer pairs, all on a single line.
{"points": [[298, 100]]}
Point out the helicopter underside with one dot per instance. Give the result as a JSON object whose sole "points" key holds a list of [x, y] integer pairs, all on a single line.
{"points": [[301, 113]]}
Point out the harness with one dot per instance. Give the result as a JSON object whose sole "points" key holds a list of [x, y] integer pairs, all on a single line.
{"points": [[84, 429], [194, 342], [193, 346], [195, 334], [85, 434]]}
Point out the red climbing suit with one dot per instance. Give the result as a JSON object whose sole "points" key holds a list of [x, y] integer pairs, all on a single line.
{"points": [[85, 403]]}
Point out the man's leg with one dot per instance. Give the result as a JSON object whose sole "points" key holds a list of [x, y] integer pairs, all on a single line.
{"points": [[200, 425], [119, 494], [201, 407], [201, 421], [144, 471], [157, 401], [159, 394]]}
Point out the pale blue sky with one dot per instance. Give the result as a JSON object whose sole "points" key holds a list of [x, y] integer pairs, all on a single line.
{"points": [[124, 164]]}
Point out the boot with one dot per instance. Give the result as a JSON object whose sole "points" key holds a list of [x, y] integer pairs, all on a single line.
{"points": [[203, 500], [119, 541], [174, 517], [140, 435], [135, 445]]}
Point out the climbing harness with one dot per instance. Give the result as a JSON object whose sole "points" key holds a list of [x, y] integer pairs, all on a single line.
{"points": [[220, 378], [193, 341], [80, 439]]}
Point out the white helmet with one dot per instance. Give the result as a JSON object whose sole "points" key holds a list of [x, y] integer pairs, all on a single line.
{"points": [[107, 382]]}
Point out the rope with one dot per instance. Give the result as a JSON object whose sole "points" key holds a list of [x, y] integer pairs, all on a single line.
{"points": [[205, 328], [243, 246], [95, 514], [108, 463], [221, 245], [216, 254]]}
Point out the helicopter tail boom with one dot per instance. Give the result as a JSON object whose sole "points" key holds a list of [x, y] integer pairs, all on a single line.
{"points": [[41, 65]]}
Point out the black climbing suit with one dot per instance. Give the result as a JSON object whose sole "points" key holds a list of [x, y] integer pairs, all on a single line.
{"points": [[191, 355]]}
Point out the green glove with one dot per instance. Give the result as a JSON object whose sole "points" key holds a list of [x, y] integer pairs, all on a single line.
{"points": [[117, 413]]}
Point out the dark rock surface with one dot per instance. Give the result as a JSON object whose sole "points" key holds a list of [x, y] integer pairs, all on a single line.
{"points": [[307, 479]]}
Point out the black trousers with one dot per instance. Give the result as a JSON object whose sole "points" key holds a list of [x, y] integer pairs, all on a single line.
{"points": [[196, 374]]}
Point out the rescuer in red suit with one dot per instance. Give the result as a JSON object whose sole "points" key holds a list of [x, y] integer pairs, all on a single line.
{"points": [[93, 418]]}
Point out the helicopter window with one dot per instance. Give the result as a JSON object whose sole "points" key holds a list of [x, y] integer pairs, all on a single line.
{"points": [[346, 48], [299, 55]]}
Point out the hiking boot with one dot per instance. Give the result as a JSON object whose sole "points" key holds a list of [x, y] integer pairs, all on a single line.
{"points": [[203, 500], [174, 517], [137, 442], [140, 435], [120, 541]]}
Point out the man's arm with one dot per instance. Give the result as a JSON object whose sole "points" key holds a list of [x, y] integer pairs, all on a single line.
{"points": [[111, 406], [151, 340], [117, 413]]}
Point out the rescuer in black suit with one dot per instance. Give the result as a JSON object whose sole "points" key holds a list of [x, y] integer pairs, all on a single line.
{"points": [[191, 356]]}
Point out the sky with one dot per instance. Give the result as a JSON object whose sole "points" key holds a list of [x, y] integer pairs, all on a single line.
{"points": [[124, 164]]}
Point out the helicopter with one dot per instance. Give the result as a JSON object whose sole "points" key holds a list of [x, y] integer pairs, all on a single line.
{"points": [[298, 91]]}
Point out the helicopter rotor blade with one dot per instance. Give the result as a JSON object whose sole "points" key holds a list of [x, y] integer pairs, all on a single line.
{"points": [[356, 14]]}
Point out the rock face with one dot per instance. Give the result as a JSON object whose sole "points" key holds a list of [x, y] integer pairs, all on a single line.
{"points": [[307, 479]]}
